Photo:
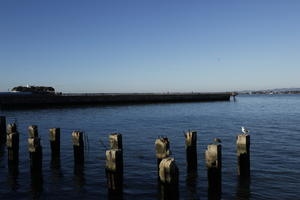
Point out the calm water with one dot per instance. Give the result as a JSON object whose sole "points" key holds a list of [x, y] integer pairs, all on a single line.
{"points": [[274, 122]]}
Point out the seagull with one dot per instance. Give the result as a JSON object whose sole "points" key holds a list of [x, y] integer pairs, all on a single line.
{"points": [[217, 140], [244, 130]]}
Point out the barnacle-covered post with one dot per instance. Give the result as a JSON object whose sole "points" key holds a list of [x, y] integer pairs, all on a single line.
{"points": [[12, 143], [243, 155], [35, 149], [114, 163], [54, 137], [191, 149], [78, 147], [213, 157], [162, 147]]}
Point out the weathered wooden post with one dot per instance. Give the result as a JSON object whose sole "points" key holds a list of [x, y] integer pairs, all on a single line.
{"points": [[114, 170], [114, 163], [78, 147], [33, 131], [2, 129], [162, 147], [12, 143], [168, 177], [191, 150], [213, 157], [54, 137], [243, 155], [168, 171], [35, 149], [115, 141]]}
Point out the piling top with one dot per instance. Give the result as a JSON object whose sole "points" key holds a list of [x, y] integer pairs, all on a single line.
{"points": [[11, 128], [77, 138], [168, 171], [115, 141], [213, 156], [243, 139], [33, 131], [162, 147], [54, 134], [190, 138]]}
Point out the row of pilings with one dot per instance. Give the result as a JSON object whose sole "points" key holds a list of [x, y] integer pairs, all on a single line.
{"points": [[167, 170]]}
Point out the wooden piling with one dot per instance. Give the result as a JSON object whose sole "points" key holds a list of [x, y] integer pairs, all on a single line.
{"points": [[168, 179], [54, 137], [114, 170], [168, 171], [243, 154], [2, 129], [191, 150], [12, 143], [33, 131], [78, 147], [35, 150], [162, 147], [115, 141], [213, 157]]}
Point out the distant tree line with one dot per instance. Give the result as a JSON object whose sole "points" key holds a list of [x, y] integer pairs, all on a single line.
{"points": [[34, 89]]}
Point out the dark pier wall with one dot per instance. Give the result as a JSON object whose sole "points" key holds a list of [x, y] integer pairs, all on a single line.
{"points": [[33, 100]]}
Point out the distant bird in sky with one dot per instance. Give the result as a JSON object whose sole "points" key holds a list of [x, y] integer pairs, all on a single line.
{"points": [[217, 140], [244, 130]]}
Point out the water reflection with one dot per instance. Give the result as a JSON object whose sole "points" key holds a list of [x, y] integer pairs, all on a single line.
{"points": [[214, 177], [191, 183], [168, 192], [13, 174], [243, 188], [36, 184], [115, 195], [55, 169], [79, 178], [114, 184]]}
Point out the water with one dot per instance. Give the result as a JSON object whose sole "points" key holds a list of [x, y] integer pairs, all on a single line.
{"points": [[274, 122]]}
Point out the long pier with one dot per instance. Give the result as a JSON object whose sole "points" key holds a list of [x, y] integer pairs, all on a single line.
{"points": [[19, 99]]}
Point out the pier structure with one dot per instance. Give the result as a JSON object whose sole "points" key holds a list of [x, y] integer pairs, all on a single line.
{"points": [[24, 100]]}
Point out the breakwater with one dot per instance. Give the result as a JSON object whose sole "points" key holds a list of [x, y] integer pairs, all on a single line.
{"points": [[16, 100]]}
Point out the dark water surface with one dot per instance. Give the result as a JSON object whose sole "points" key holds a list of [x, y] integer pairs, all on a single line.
{"points": [[274, 122]]}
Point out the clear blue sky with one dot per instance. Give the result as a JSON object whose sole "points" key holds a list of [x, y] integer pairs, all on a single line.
{"points": [[150, 46]]}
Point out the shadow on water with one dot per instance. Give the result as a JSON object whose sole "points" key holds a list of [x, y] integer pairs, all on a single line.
{"points": [[243, 188], [36, 184], [13, 174], [115, 195], [214, 177], [191, 183], [167, 192], [79, 179], [55, 168], [114, 185]]}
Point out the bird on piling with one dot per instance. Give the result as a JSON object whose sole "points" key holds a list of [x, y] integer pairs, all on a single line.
{"points": [[244, 130], [217, 140]]}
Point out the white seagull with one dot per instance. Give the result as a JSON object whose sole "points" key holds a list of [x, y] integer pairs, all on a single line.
{"points": [[244, 130]]}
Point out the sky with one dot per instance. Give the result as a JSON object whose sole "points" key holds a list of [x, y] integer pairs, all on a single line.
{"points": [[149, 45]]}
